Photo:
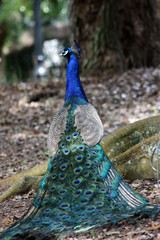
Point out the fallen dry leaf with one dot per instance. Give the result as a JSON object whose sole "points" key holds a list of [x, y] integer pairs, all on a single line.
{"points": [[154, 227]]}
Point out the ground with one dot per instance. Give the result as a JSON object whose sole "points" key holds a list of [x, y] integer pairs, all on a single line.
{"points": [[26, 111]]}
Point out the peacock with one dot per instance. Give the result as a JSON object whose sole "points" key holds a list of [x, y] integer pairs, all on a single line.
{"points": [[81, 189]]}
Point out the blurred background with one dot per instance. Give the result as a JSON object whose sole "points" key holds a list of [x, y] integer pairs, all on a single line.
{"points": [[31, 33], [113, 37]]}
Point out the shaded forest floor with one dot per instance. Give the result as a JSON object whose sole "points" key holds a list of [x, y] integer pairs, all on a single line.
{"points": [[26, 111]]}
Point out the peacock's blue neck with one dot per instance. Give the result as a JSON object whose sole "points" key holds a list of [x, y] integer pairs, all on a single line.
{"points": [[74, 87]]}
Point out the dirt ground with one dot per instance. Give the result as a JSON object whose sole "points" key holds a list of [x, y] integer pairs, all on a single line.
{"points": [[26, 111]]}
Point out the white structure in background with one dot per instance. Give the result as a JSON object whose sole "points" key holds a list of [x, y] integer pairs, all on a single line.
{"points": [[51, 50], [52, 60]]}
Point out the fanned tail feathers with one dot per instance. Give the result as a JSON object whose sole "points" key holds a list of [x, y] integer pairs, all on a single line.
{"points": [[80, 190]]}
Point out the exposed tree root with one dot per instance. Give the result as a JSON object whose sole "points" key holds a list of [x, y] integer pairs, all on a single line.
{"points": [[126, 137], [37, 170], [135, 162], [22, 185], [23, 181]]}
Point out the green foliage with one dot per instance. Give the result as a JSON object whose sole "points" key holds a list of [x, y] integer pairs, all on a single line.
{"points": [[54, 9], [11, 10], [18, 15], [12, 15]]}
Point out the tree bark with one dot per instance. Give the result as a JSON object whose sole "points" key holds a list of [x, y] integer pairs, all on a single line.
{"points": [[115, 35]]}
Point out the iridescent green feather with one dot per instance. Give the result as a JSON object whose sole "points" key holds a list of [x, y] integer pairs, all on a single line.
{"points": [[80, 190]]}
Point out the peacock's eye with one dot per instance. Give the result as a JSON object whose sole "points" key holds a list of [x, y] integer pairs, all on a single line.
{"points": [[65, 52]]}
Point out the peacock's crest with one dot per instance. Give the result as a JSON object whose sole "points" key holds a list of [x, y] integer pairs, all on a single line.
{"points": [[75, 48]]}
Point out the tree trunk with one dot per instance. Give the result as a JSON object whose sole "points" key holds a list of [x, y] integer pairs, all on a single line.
{"points": [[115, 35]]}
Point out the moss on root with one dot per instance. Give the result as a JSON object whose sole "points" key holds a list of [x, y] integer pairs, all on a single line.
{"points": [[130, 135], [135, 163]]}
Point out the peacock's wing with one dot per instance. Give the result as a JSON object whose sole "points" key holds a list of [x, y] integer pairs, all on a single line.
{"points": [[88, 123], [57, 129]]}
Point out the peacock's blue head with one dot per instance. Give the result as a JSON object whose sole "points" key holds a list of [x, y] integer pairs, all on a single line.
{"points": [[66, 52], [71, 50]]}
